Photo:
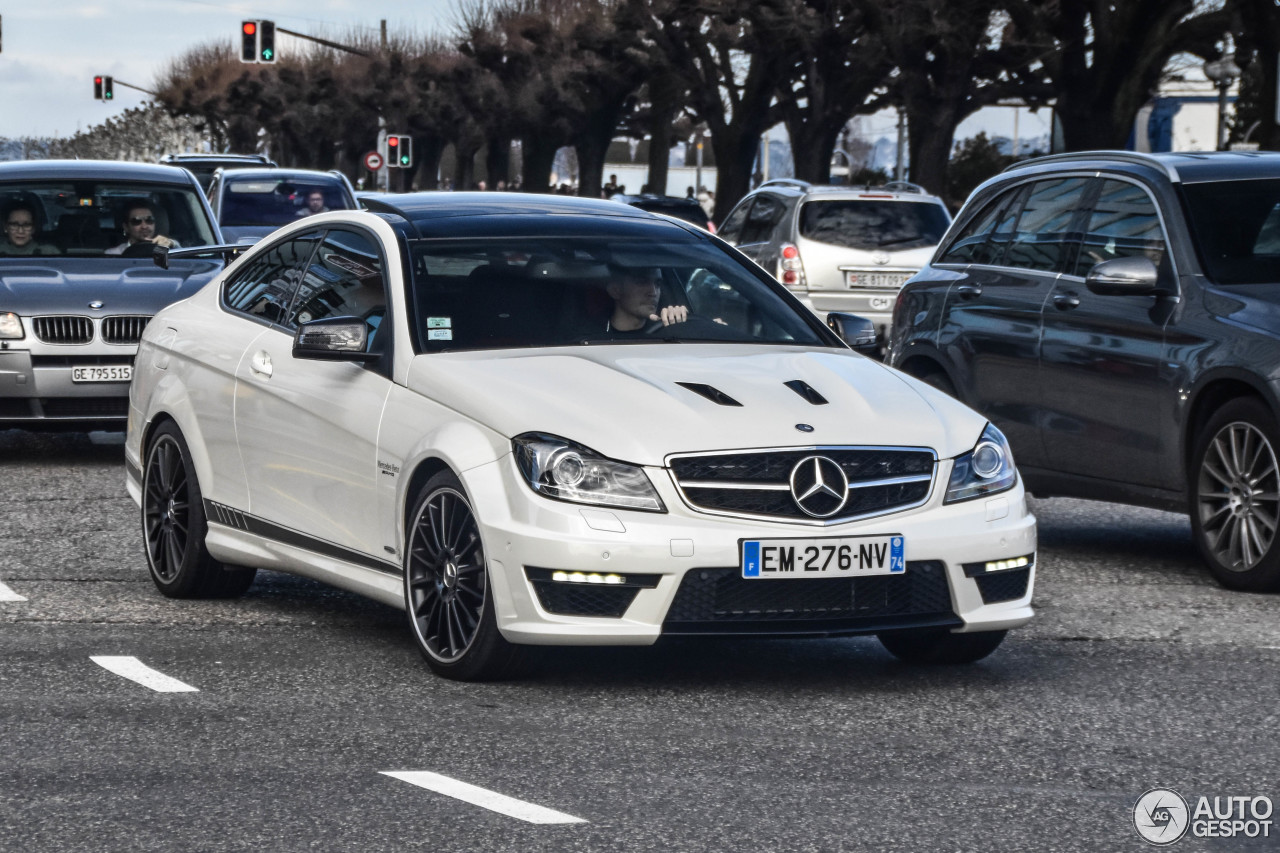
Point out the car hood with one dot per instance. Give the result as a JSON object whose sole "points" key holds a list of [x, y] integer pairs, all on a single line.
{"points": [[626, 401], [122, 285]]}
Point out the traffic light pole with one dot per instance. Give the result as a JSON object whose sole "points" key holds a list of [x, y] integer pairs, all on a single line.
{"points": [[325, 42], [120, 82]]}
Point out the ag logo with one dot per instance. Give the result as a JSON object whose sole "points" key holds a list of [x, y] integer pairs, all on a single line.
{"points": [[1161, 816]]}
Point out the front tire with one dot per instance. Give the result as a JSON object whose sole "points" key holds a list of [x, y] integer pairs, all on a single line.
{"points": [[447, 592], [940, 646], [1235, 496], [174, 525]]}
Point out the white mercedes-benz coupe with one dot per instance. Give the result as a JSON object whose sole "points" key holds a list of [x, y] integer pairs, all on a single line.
{"points": [[531, 420]]}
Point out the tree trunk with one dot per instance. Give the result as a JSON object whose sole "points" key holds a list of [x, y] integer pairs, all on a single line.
{"points": [[931, 130], [539, 156], [430, 150], [811, 149], [497, 161]]}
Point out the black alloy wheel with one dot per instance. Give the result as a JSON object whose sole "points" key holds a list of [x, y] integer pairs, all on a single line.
{"points": [[1235, 496], [447, 590], [174, 525]]}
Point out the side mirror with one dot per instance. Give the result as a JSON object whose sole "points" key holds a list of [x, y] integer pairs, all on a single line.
{"points": [[858, 332], [334, 339], [1135, 275]]}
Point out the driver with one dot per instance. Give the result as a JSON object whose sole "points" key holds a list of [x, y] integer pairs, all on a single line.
{"points": [[635, 292], [139, 224]]}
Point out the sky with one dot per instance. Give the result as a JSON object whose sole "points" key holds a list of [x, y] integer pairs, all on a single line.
{"points": [[52, 49]]}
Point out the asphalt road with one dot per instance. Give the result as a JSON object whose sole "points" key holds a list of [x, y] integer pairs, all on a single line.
{"points": [[1138, 673]]}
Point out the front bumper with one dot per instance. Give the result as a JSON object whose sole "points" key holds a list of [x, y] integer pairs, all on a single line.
{"points": [[36, 388], [681, 577]]}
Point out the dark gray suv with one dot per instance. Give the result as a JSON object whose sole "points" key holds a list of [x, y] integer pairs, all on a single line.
{"points": [[1117, 315]]}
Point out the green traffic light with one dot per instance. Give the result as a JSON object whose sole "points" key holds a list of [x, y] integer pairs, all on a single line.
{"points": [[404, 161], [266, 55]]}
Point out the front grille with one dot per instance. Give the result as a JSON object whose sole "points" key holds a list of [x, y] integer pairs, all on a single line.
{"points": [[16, 407], [86, 407], [124, 330], [721, 601], [63, 330], [1003, 586], [79, 360], [758, 483]]}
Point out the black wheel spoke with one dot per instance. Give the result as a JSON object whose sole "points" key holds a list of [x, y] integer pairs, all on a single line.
{"points": [[445, 575]]}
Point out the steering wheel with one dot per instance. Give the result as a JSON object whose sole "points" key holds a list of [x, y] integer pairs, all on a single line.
{"points": [[139, 250]]}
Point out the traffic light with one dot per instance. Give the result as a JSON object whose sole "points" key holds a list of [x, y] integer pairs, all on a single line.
{"points": [[248, 41], [266, 41], [400, 151], [107, 89], [97, 88]]}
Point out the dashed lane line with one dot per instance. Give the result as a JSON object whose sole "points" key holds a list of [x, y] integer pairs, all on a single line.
{"points": [[7, 594], [486, 799], [135, 670]]}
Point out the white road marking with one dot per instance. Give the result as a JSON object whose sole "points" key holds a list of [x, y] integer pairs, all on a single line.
{"points": [[7, 594], [481, 797], [134, 670]]}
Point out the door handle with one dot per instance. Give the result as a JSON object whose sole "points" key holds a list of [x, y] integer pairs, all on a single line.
{"points": [[260, 364], [1066, 301], [969, 291]]}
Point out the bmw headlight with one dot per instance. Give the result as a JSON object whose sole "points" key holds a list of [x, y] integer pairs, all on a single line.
{"points": [[10, 326], [985, 470], [559, 468]]}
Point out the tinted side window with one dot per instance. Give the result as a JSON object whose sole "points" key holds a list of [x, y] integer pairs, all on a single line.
{"points": [[766, 211], [1123, 222], [1043, 237], [343, 280], [970, 246], [265, 288], [731, 230]]}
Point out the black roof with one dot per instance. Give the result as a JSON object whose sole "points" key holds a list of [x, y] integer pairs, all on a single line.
{"points": [[1188, 167], [266, 173], [71, 170], [453, 212]]}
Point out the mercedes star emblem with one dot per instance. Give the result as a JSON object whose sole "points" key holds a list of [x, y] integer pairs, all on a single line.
{"points": [[819, 486]]}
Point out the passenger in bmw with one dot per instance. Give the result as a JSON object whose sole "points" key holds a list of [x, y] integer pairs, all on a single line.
{"points": [[20, 225], [636, 292]]}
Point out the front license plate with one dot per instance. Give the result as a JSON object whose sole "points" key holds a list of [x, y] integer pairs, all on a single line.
{"points": [[875, 279], [823, 558], [102, 373]]}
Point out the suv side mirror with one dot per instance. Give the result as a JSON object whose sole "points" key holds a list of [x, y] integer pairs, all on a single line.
{"points": [[333, 339], [1135, 275], [858, 332]]}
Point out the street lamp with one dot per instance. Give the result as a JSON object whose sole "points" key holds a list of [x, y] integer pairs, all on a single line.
{"points": [[1223, 72]]}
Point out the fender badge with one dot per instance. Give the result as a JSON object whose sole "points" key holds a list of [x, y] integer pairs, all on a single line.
{"points": [[804, 427], [95, 305]]}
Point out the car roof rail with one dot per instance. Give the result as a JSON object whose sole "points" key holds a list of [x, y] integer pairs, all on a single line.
{"points": [[1134, 157], [787, 182]]}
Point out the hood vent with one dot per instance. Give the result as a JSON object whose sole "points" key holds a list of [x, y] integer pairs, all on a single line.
{"points": [[804, 389], [715, 395]]}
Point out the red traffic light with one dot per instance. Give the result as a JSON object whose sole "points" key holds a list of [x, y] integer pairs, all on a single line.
{"points": [[393, 141], [97, 80], [249, 27]]}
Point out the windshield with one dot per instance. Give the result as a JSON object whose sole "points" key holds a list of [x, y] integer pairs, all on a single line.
{"points": [[536, 292], [272, 202], [1235, 226], [88, 218], [874, 223]]}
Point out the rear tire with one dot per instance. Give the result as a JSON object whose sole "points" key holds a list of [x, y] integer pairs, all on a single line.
{"points": [[932, 647], [174, 525], [447, 593], [1234, 488]]}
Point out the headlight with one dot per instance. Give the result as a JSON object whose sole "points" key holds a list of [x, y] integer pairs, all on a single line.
{"points": [[558, 468], [10, 326], [985, 470]]}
